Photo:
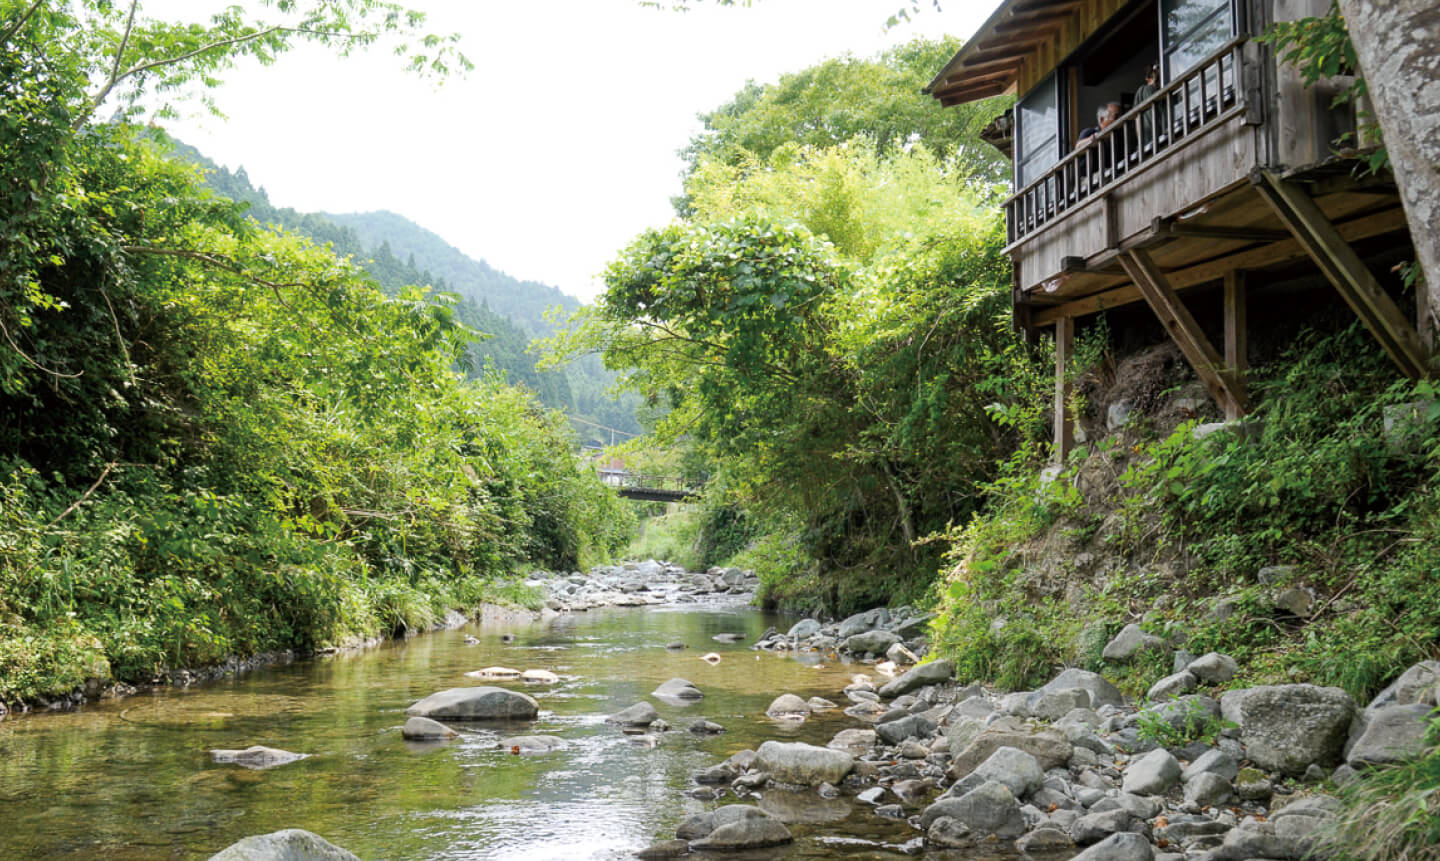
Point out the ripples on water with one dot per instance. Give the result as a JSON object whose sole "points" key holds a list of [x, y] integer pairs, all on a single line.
{"points": [[133, 779]]}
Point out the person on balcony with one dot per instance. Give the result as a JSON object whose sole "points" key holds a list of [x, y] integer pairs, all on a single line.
{"points": [[1104, 115], [1146, 90]]}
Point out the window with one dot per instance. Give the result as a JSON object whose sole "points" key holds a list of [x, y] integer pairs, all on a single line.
{"points": [[1194, 29], [1037, 139]]}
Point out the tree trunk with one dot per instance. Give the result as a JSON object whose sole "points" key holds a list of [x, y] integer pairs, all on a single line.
{"points": [[1398, 43]]}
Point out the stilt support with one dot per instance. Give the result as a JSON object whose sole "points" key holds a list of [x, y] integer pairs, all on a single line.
{"points": [[1223, 383], [1236, 346], [1346, 271], [1064, 349]]}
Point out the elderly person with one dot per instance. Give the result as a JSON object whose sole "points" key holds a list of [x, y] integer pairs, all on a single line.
{"points": [[1104, 115]]}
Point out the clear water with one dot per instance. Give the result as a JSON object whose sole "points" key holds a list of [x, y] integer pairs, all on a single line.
{"points": [[133, 778]]}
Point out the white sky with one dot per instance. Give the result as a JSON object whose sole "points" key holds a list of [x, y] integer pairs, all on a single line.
{"points": [[558, 148]]}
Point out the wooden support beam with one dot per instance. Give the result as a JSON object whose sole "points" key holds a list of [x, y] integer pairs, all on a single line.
{"points": [[1224, 386], [1288, 251], [1215, 231], [1346, 271], [1237, 359], [1064, 349]]}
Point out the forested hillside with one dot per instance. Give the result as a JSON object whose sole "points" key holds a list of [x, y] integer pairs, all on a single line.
{"points": [[218, 437]]}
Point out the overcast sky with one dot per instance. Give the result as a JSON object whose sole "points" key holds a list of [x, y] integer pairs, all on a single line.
{"points": [[558, 148]]}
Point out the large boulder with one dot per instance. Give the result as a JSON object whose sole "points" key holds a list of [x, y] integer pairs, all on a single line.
{"points": [[989, 808], [1017, 770], [932, 673], [862, 622], [702, 824], [477, 703], [292, 844], [1152, 774], [1389, 734], [805, 764], [1287, 728], [1102, 693], [752, 833], [1048, 746], [804, 629]]}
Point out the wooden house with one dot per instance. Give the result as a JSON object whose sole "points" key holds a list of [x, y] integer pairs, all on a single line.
{"points": [[1224, 171]]}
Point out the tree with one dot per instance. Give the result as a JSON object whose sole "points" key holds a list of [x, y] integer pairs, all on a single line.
{"points": [[1397, 43]]}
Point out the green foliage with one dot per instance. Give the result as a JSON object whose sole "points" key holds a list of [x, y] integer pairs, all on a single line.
{"points": [[219, 438], [1192, 723], [1320, 49], [1390, 812]]}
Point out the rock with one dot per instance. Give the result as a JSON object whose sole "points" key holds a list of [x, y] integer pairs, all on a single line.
{"points": [[901, 655], [477, 703], [728, 638], [717, 775], [1123, 846], [703, 824], [676, 645], [752, 833], [861, 622], [1045, 839], [1251, 784], [931, 673], [1117, 415], [494, 674], [539, 677], [1017, 770], [856, 742], [1130, 642], [292, 844], [1416, 685], [664, 849], [1048, 746], [710, 658], [257, 756], [1300, 821], [789, 707], [1296, 600], [1171, 687], [874, 642], [1212, 762], [640, 714], [531, 743], [1152, 774], [425, 729], [820, 704], [1208, 789], [1102, 693], [1094, 827], [804, 764], [705, 727], [804, 629], [910, 726], [873, 795], [988, 809], [1259, 841], [678, 689], [1389, 734], [1056, 703], [1213, 668], [1287, 727], [791, 806]]}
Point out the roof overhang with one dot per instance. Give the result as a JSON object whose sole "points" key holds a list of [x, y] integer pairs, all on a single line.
{"points": [[991, 62]]}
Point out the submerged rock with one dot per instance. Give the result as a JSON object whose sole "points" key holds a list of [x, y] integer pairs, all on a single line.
{"points": [[425, 729], [678, 689], [531, 743], [292, 844], [478, 703], [257, 756], [640, 714]]}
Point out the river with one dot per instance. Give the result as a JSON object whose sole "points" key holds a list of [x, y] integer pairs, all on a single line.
{"points": [[133, 778]]}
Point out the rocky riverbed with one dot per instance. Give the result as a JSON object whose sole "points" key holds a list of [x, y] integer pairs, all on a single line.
{"points": [[1196, 771]]}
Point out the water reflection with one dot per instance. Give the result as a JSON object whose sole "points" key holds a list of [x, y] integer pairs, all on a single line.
{"points": [[133, 779]]}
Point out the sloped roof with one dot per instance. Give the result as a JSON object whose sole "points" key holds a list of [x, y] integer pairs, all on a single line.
{"points": [[990, 64]]}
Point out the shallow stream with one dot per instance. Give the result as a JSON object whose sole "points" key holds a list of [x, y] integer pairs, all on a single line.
{"points": [[133, 778]]}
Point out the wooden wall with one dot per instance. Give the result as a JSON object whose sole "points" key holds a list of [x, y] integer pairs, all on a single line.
{"points": [[1081, 25]]}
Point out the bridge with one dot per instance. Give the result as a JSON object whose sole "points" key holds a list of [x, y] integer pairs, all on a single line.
{"points": [[651, 488]]}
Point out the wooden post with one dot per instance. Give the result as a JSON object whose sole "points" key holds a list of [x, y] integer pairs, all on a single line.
{"points": [[1236, 346], [1346, 271], [1224, 386], [1064, 348]]}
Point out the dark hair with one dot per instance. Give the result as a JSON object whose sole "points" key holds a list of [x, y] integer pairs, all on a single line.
{"points": [[1152, 71]]}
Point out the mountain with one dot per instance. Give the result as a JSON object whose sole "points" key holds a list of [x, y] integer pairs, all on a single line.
{"points": [[398, 252], [525, 302]]}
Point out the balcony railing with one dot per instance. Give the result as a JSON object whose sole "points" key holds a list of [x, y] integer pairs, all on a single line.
{"points": [[1203, 97]]}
